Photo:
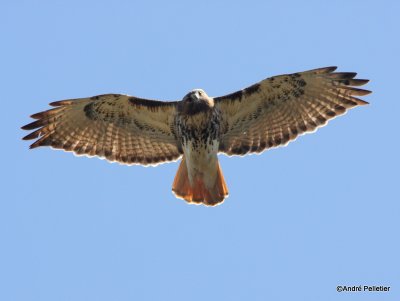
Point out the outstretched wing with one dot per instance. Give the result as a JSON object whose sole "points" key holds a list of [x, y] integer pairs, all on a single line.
{"points": [[117, 127], [278, 109]]}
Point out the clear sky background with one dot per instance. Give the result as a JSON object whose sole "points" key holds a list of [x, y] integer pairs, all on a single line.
{"points": [[299, 220]]}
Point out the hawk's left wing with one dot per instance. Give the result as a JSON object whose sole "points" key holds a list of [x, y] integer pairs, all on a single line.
{"points": [[278, 109], [117, 127]]}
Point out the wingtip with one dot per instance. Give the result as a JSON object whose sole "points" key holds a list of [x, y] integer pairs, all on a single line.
{"points": [[359, 92], [33, 125], [32, 135], [362, 102], [323, 70], [61, 103], [331, 68], [36, 144], [37, 115], [358, 82]]}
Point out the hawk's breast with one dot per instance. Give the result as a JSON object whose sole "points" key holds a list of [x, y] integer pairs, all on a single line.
{"points": [[199, 136], [200, 128]]}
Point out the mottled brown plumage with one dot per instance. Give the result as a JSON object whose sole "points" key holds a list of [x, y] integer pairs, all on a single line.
{"points": [[133, 130]]}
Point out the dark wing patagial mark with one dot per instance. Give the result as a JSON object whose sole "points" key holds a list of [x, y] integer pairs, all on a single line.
{"points": [[90, 111], [150, 104], [238, 95], [252, 89], [232, 97]]}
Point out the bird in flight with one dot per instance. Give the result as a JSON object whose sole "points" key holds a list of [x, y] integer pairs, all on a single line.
{"points": [[132, 130]]}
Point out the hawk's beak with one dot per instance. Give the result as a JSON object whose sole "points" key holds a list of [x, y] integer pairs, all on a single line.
{"points": [[194, 96]]}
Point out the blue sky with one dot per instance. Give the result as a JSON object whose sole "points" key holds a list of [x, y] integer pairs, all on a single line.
{"points": [[299, 220]]}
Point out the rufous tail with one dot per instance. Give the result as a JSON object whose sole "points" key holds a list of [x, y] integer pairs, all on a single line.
{"points": [[199, 193]]}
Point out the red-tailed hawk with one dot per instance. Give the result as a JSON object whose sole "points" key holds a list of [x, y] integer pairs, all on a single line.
{"points": [[132, 130]]}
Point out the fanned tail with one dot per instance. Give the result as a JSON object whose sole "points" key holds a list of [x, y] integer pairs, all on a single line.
{"points": [[198, 193]]}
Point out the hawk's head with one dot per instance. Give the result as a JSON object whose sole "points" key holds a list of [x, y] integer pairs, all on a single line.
{"points": [[196, 101]]}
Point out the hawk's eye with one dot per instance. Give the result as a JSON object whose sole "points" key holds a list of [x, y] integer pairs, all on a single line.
{"points": [[200, 93]]}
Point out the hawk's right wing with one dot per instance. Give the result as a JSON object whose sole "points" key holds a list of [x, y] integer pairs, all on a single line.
{"points": [[120, 128]]}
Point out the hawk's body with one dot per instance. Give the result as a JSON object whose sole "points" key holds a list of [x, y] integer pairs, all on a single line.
{"points": [[198, 124], [132, 130]]}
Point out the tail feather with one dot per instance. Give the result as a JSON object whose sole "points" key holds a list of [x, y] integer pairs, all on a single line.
{"points": [[198, 193]]}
